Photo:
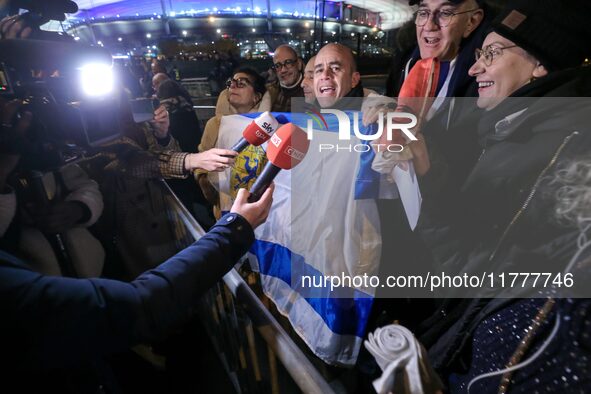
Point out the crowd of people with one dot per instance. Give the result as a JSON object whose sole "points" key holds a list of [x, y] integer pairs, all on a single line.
{"points": [[505, 187]]}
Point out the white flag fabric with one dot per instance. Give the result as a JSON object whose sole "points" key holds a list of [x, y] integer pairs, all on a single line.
{"points": [[316, 228]]}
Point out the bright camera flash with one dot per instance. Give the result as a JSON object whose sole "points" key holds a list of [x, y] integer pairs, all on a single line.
{"points": [[96, 79]]}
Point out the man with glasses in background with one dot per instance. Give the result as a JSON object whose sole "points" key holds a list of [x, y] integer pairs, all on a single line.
{"points": [[449, 30], [289, 69]]}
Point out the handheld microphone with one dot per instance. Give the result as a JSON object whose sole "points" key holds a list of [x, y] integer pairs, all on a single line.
{"points": [[257, 132], [287, 148]]}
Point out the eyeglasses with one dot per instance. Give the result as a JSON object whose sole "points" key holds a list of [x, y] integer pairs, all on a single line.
{"points": [[238, 82], [289, 63], [490, 53], [441, 18]]}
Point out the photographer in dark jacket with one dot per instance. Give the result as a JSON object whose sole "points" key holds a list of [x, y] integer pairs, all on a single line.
{"points": [[55, 322], [184, 125], [185, 128]]}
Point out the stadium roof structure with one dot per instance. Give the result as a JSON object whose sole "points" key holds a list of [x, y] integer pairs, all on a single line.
{"points": [[127, 26], [392, 13]]}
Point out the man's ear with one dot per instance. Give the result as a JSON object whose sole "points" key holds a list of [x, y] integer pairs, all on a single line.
{"points": [[474, 21], [355, 78], [540, 71]]}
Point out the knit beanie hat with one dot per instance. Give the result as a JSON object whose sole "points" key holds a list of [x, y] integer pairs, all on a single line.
{"points": [[556, 32]]}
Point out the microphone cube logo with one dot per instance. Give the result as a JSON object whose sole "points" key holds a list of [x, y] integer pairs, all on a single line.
{"points": [[276, 140], [294, 153]]}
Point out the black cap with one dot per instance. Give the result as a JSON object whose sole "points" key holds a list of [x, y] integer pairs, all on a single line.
{"points": [[50, 9], [556, 32]]}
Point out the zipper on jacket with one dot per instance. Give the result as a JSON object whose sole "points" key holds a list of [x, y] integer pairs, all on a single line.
{"points": [[532, 192]]}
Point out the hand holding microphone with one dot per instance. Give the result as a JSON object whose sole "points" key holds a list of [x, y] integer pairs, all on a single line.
{"points": [[255, 213], [215, 159], [287, 148], [256, 133]]}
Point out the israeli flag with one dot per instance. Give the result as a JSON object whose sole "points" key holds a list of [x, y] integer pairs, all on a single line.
{"points": [[322, 224]]}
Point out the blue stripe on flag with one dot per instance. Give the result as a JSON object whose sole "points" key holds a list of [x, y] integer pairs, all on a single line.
{"points": [[344, 316], [367, 183], [281, 117]]}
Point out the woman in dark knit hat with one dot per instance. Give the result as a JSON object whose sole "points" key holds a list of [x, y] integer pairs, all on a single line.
{"points": [[533, 86]]}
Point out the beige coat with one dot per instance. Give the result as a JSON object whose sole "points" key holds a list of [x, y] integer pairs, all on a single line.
{"points": [[84, 249]]}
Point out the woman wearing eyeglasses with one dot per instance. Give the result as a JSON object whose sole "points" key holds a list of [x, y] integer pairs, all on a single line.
{"points": [[533, 87], [245, 93]]}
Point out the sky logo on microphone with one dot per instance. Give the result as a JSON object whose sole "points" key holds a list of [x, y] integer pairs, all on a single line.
{"points": [[268, 127]]}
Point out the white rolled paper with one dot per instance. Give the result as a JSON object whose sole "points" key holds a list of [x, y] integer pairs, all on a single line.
{"points": [[396, 349]]}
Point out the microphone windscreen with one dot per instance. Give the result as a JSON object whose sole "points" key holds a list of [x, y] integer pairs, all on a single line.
{"points": [[260, 129], [288, 146]]}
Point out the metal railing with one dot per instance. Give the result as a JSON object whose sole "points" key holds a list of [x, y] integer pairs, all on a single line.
{"points": [[197, 87], [233, 318]]}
